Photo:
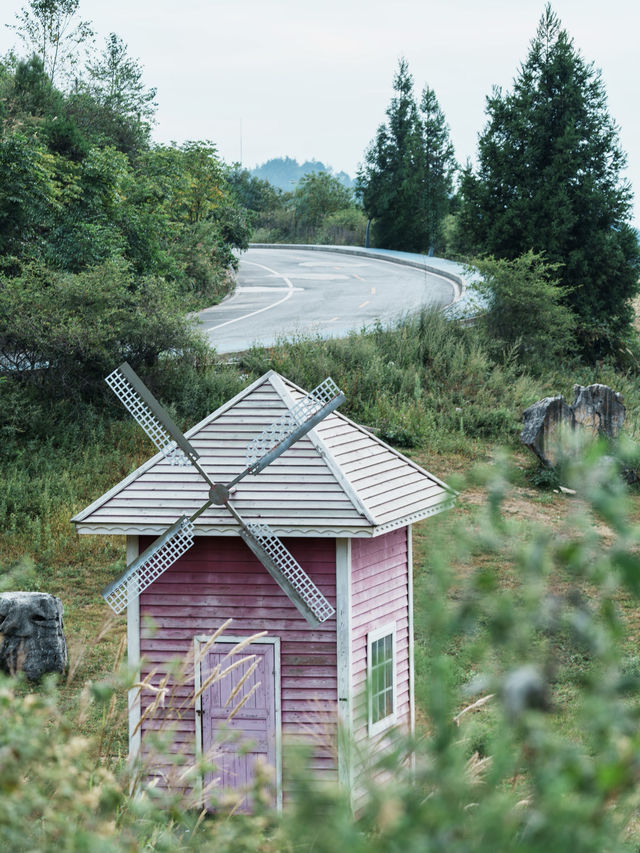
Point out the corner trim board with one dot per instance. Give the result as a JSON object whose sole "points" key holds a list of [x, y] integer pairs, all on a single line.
{"points": [[133, 657], [344, 663]]}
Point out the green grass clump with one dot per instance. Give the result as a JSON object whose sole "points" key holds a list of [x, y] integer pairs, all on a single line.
{"points": [[427, 382]]}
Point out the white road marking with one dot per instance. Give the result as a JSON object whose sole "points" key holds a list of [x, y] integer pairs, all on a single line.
{"points": [[330, 264], [265, 289], [290, 292], [319, 276]]}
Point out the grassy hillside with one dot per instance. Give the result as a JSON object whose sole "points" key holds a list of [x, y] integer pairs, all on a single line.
{"points": [[513, 577]]}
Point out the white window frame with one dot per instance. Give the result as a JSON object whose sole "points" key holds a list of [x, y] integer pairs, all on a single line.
{"points": [[373, 636]]}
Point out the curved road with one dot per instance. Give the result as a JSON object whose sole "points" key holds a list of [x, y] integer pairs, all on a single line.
{"points": [[288, 292]]}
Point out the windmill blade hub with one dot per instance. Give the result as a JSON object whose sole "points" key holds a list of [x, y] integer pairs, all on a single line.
{"points": [[219, 494]]}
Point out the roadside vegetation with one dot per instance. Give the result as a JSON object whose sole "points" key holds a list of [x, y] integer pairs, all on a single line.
{"points": [[320, 209], [526, 599]]}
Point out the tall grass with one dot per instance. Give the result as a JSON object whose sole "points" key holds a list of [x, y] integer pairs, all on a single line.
{"points": [[426, 382]]}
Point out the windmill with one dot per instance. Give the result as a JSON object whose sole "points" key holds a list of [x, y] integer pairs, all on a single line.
{"points": [[260, 452]]}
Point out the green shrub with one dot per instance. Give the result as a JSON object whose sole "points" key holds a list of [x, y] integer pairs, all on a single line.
{"points": [[343, 228], [64, 332], [524, 308]]}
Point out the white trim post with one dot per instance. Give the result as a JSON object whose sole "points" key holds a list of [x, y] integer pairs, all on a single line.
{"points": [[133, 657], [344, 674], [412, 669]]}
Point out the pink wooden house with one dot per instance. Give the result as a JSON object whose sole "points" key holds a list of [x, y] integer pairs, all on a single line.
{"points": [[343, 503]]}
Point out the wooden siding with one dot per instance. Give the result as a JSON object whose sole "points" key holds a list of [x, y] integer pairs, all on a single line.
{"points": [[220, 579], [380, 595], [339, 480]]}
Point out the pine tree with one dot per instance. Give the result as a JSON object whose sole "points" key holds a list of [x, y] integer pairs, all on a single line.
{"points": [[437, 168], [406, 180], [548, 180]]}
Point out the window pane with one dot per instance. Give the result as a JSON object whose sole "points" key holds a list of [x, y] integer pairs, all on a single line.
{"points": [[381, 678]]}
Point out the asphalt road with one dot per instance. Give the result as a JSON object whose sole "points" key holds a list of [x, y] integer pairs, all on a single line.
{"points": [[283, 293]]}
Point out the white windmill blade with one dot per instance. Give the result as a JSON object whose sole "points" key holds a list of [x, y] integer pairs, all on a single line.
{"points": [[285, 570], [152, 417], [287, 573], [159, 556], [290, 427]]}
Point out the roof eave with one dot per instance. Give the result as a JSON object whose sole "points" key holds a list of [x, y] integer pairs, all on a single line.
{"points": [[348, 531]]}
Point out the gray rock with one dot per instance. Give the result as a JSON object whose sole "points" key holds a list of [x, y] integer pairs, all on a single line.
{"points": [[549, 423], [31, 631], [525, 689], [598, 410], [546, 424]]}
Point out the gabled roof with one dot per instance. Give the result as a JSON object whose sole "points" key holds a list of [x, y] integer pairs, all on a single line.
{"points": [[338, 480]]}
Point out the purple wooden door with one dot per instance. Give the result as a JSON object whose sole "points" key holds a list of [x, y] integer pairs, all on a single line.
{"points": [[235, 745]]}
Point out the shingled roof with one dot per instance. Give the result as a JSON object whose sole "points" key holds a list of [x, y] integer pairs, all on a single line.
{"points": [[338, 480]]}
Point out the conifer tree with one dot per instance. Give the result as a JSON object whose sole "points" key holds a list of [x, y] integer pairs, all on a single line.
{"points": [[436, 167], [548, 180], [405, 182]]}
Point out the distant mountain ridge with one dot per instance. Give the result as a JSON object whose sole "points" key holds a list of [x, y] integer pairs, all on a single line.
{"points": [[285, 172]]}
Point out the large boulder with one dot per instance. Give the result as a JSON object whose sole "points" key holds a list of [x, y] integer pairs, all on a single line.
{"points": [[552, 428], [547, 425], [32, 634], [598, 409]]}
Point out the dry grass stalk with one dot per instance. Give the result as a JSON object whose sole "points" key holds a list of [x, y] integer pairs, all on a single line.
{"points": [[164, 691], [78, 647], [251, 669], [475, 706]]}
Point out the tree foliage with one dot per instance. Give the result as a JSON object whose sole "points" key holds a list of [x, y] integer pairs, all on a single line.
{"points": [[317, 196], [523, 311], [406, 181], [116, 81], [105, 241], [52, 30], [548, 179], [71, 329]]}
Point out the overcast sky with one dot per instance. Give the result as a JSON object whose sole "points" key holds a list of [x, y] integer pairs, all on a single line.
{"points": [[269, 78]]}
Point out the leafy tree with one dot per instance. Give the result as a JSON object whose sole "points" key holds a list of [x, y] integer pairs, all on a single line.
{"points": [[318, 195], [523, 309], [28, 194], [116, 82], [406, 181], [548, 179], [345, 227], [255, 194], [81, 325], [51, 30]]}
